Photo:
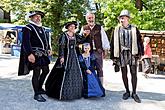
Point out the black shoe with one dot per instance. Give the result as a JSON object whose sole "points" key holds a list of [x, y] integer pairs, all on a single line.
{"points": [[136, 98], [39, 98], [42, 91], [103, 95], [126, 95]]}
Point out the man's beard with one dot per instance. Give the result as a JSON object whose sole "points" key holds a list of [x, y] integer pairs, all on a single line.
{"points": [[91, 23]]}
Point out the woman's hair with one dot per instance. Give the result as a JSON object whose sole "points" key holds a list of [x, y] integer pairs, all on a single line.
{"points": [[146, 39]]}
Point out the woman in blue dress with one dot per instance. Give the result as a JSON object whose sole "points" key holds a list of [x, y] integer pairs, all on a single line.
{"points": [[92, 85]]}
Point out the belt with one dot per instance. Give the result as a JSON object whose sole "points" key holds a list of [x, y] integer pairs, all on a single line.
{"points": [[125, 48], [40, 52]]}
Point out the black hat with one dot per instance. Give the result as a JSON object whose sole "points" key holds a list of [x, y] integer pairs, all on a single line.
{"points": [[70, 23], [32, 13]]}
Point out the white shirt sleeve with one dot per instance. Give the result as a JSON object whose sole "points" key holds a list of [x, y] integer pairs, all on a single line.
{"points": [[105, 41]]}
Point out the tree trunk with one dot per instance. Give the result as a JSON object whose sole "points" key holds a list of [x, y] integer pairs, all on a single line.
{"points": [[139, 5]]}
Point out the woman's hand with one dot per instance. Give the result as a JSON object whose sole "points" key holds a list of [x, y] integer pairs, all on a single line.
{"points": [[31, 58], [50, 52], [62, 60]]}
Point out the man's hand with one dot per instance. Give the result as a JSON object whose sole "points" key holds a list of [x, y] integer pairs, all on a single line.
{"points": [[105, 53], [31, 58]]}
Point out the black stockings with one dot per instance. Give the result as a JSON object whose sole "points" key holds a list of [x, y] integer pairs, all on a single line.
{"points": [[38, 79], [133, 71]]}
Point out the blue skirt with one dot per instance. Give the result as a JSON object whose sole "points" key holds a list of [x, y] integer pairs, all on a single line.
{"points": [[94, 89]]}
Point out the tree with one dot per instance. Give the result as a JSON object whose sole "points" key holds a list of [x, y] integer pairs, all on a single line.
{"points": [[150, 18], [4, 7], [57, 12], [61, 11], [139, 4]]}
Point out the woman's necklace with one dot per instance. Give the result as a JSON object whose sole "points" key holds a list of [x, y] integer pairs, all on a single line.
{"points": [[70, 35]]}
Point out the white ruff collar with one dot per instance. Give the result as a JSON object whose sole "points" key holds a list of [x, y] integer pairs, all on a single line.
{"points": [[39, 25]]}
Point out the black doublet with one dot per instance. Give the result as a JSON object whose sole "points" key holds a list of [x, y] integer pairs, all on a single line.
{"points": [[34, 41], [38, 38]]}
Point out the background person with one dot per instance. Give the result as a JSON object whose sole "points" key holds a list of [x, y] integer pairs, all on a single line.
{"points": [[147, 56]]}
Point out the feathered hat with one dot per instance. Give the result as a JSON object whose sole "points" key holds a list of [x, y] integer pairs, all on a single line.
{"points": [[32, 13]]}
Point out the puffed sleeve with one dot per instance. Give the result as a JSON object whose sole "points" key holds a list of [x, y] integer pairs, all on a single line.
{"points": [[62, 44], [82, 63], [26, 34], [140, 43], [112, 47]]}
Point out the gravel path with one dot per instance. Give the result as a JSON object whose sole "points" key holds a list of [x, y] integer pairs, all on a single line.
{"points": [[16, 92]]}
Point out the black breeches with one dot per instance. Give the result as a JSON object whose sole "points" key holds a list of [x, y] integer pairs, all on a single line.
{"points": [[133, 71], [39, 78]]}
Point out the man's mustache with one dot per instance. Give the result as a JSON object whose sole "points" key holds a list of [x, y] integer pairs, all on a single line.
{"points": [[91, 21]]}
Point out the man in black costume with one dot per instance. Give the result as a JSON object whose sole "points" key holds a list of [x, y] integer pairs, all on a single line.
{"points": [[126, 48], [35, 50]]}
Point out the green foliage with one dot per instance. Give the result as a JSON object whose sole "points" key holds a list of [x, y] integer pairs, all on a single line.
{"points": [[3, 21], [154, 17], [62, 11], [58, 12], [150, 18]]}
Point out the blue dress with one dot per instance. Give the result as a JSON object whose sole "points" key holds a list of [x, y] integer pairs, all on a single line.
{"points": [[92, 85]]}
